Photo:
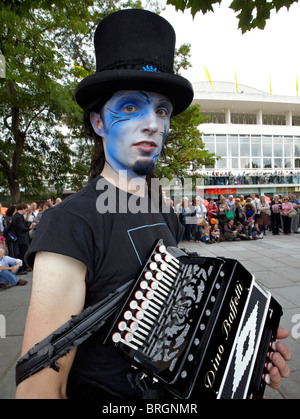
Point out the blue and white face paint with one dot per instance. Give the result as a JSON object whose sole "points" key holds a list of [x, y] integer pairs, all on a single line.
{"points": [[134, 126]]}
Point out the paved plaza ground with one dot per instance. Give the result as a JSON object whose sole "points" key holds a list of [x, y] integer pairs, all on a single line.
{"points": [[275, 262]]}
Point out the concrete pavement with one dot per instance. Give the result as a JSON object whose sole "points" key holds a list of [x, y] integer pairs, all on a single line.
{"points": [[275, 262]]}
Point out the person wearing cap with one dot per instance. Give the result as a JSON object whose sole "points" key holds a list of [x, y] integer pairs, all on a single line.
{"points": [[95, 241]]}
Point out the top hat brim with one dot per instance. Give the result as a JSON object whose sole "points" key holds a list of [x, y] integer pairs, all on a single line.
{"points": [[95, 90]]}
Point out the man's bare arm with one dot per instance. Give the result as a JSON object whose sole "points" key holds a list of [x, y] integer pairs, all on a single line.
{"points": [[58, 292]]}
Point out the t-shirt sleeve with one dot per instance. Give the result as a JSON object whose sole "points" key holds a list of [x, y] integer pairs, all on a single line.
{"points": [[65, 233]]}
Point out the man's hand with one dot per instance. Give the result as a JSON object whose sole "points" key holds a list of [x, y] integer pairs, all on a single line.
{"points": [[279, 360]]}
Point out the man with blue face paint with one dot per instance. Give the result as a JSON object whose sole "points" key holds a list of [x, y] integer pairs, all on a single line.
{"points": [[81, 254]]}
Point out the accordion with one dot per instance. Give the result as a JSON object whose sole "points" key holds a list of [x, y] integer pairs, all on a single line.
{"points": [[199, 326]]}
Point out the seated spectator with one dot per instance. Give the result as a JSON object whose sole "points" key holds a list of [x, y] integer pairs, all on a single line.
{"points": [[216, 233], [256, 233], [8, 269], [230, 231], [244, 230], [205, 233]]}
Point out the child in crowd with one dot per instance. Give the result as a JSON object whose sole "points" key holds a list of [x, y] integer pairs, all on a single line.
{"points": [[205, 233]]}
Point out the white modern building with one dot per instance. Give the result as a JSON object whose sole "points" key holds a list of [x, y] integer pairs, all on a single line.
{"points": [[251, 130], [257, 136]]}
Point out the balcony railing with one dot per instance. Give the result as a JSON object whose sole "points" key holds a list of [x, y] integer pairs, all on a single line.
{"points": [[252, 179]]}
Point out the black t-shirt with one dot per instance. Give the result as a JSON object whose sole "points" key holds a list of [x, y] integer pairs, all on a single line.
{"points": [[113, 246]]}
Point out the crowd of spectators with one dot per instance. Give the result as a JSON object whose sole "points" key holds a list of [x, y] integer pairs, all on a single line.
{"points": [[235, 219], [17, 229], [251, 178]]}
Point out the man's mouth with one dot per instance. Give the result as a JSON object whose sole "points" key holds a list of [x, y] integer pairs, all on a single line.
{"points": [[146, 146]]}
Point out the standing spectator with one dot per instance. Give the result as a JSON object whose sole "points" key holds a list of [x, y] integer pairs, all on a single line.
{"points": [[200, 215], [12, 246], [275, 207], [263, 211], [238, 211], [230, 202], [212, 209], [287, 207], [2, 220], [249, 210], [20, 228], [295, 220], [188, 212]]}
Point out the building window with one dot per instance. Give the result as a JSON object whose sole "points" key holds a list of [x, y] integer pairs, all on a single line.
{"points": [[267, 146], [256, 146], [267, 163], [243, 118], [274, 120], [215, 118], [244, 146], [256, 164]]}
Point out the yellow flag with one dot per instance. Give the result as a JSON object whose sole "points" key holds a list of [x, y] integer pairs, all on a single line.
{"points": [[236, 83], [270, 83], [297, 86], [208, 77]]}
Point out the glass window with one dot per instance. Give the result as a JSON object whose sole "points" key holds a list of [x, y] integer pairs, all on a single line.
{"points": [[278, 163], [297, 147], [234, 163], [278, 146], [256, 146], [297, 163], [221, 149], [245, 163], [288, 148], [267, 163], [222, 164], [244, 146], [267, 146], [233, 149], [288, 163], [209, 141], [256, 164]]}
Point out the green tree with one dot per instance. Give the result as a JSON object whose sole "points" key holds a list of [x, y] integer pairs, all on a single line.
{"points": [[47, 48], [184, 149], [251, 13]]}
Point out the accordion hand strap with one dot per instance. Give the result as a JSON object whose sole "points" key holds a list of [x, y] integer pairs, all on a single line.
{"points": [[69, 335]]}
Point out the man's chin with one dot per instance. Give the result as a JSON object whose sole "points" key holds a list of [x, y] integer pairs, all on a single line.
{"points": [[143, 167]]}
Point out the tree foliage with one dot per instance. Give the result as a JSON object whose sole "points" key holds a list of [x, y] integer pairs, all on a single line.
{"points": [[251, 13], [48, 48], [47, 45], [184, 148]]}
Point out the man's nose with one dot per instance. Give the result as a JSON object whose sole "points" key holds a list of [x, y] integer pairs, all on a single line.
{"points": [[150, 124]]}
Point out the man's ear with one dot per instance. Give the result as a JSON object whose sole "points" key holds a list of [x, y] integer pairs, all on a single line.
{"points": [[97, 123]]}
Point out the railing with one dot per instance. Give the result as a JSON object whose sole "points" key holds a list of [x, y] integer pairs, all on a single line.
{"points": [[264, 179]]}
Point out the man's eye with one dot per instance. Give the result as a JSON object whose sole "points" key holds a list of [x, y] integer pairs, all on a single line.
{"points": [[162, 112], [129, 109]]}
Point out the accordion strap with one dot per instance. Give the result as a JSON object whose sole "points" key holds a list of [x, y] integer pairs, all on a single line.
{"points": [[69, 335]]}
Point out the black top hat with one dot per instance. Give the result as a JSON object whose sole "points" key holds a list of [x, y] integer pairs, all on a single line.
{"points": [[134, 51]]}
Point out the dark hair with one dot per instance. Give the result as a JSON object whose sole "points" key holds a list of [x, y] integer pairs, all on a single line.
{"points": [[11, 210], [21, 206]]}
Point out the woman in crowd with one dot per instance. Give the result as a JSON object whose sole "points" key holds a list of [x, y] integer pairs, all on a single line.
{"points": [[249, 211], [275, 215], [263, 214], [212, 209], [286, 209]]}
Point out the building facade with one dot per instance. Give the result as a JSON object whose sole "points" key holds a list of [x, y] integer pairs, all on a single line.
{"points": [[256, 134]]}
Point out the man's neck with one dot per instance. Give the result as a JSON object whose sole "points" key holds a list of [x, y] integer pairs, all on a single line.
{"points": [[125, 180]]}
